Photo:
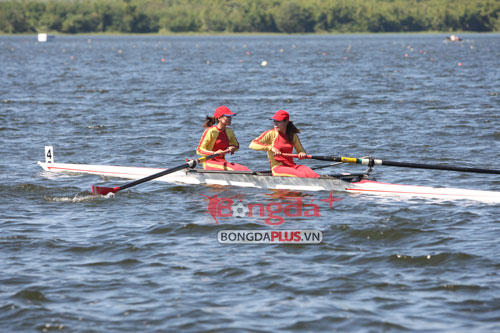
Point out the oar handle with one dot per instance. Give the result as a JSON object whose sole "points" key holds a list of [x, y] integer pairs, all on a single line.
{"points": [[205, 158], [294, 155]]}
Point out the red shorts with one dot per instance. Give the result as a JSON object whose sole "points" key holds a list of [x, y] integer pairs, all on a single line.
{"points": [[294, 171], [224, 165]]}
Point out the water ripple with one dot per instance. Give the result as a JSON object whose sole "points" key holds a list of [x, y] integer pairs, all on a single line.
{"points": [[147, 258]]}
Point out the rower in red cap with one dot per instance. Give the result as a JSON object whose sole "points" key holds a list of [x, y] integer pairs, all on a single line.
{"points": [[217, 138], [282, 139]]}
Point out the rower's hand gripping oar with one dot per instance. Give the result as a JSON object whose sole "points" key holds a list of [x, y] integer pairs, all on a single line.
{"points": [[371, 162], [100, 190]]}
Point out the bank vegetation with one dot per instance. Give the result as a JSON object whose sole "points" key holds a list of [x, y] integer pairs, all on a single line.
{"points": [[237, 16]]}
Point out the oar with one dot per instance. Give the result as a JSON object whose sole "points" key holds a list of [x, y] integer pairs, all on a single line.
{"points": [[100, 190], [372, 162], [326, 166]]}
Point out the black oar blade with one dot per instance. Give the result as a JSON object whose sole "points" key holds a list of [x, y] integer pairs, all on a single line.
{"points": [[101, 190]]}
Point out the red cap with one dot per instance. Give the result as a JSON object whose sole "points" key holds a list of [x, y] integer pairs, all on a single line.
{"points": [[222, 111], [281, 115]]}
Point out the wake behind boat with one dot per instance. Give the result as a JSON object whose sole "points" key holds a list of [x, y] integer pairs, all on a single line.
{"points": [[346, 182]]}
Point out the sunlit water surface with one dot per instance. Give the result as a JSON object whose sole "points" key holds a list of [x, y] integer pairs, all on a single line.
{"points": [[148, 258]]}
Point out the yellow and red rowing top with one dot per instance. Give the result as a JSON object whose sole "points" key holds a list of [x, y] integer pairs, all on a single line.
{"points": [[214, 139], [273, 138]]}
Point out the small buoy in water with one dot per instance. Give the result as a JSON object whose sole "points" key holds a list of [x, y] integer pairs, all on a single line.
{"points": [[459, 64], [406, 55], [162, 59], [248, 53], [324, 54], [263, 63]]}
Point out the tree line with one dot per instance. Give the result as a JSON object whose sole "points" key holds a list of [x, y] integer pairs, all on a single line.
{"points": [[234, 16]]}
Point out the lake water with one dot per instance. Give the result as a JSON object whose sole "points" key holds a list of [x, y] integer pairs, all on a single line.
{"points": [[148, 259]]}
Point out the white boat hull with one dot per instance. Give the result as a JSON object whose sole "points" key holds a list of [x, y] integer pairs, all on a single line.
{"points": [[248, 179]]}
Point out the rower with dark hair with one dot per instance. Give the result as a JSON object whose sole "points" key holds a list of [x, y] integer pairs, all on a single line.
{"points": [[217, 138], [282, 139]]}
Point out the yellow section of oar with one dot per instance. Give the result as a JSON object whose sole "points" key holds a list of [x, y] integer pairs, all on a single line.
{"points": [[349, 160], [202, 159]]}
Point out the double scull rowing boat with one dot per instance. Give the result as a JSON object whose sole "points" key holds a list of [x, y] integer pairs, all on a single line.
{"points": [[347, 182]]}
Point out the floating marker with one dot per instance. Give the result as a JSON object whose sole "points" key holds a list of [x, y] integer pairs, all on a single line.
{"points": [[264, 63]]}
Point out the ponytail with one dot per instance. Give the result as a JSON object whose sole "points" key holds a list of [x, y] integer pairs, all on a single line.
{"points": [[209, 121], [291, 130]]}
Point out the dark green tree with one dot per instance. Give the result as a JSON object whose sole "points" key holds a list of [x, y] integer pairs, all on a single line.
{"points": [[291, 17]]}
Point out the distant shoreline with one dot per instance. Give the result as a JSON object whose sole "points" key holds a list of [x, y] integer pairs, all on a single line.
{"points": [[251, 34]]}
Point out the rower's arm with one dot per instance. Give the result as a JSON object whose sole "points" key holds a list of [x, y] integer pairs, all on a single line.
{"points": [[264, 141], [298, 145], [207, 142], [232, 139]]}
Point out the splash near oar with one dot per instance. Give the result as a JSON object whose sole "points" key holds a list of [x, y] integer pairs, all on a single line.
{"points": [[373, 162], [100, 190]]}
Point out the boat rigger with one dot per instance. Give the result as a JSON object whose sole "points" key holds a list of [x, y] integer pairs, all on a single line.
{"points": [[346, 182]]}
